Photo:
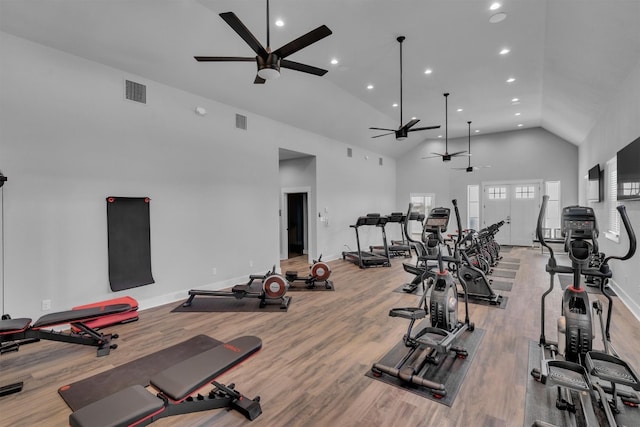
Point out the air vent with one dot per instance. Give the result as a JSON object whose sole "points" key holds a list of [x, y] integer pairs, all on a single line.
{"points": [[241, 122], [380, 161], [135, 91], [349, 152]]}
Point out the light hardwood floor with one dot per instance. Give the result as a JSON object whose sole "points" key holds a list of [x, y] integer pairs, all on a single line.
{"points": [[311, 369]]}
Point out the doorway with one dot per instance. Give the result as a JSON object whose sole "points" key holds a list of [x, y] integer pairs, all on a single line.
{"points": [[517, 204], [297, 233]]}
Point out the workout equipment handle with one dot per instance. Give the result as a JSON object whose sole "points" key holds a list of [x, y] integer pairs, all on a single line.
{"points": [[455, 208], [539, 233], [632, 235]]}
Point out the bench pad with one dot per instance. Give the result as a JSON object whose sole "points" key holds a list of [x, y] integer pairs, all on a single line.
{"points": [[84, 314], [120, 409], [14, 325], [179, 381]]}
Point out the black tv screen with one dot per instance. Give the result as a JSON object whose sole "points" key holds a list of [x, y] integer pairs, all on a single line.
{"points": [[628, 160]]}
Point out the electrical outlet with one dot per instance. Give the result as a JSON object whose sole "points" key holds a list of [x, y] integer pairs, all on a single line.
{"points": [[46, 304], [214, 271]]}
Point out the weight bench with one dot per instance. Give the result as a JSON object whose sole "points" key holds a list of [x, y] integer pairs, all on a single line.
{"points": [[113, 319], [136, 406], [15, 332]]}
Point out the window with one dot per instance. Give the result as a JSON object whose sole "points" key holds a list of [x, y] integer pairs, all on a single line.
{"points": [[613, 229], [473, 207], [525, 192], [552, 218], [422, 203], [497, 192]]}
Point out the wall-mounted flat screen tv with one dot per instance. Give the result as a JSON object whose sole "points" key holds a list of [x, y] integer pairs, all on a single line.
{"points": [[628, 159], [595, 185]]}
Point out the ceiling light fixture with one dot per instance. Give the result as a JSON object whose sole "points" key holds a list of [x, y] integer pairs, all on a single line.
{"points": [[334, 61], [477, 130], [395, 105], [504, 51], [511, 80], [369, 87], [459, 110], [495, 6], [279, 23], [498, 17], [517, 114], [428, 71], [520, 125], [515, 100]]}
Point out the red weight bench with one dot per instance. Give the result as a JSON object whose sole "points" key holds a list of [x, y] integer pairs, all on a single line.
{"points": [[136, 406], [112, 319], [16, 332]]}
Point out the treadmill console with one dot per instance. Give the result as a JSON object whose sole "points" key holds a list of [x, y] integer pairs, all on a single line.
{"points": [[437, 220], [580, 221]]}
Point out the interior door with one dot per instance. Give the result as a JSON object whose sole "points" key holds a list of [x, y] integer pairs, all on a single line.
{"points": [[515, 203]]}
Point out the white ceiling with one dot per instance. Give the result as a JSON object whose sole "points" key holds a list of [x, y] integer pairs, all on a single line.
{"points": [[568, 58]]}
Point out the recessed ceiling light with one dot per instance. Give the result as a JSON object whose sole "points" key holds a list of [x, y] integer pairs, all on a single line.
{"points": [[504, 51], [520, 125], [413, 118], [511, 80], [334, 61], [428, 71], [459, 110], [395, 105], [439, 136], [495, 6], [515, 100], [517, 114], [369, 87], [477, 130], [279, 23], [498, 17]]}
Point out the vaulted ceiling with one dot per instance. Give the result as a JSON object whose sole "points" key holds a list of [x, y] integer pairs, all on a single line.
{"points": [[568, 58]]}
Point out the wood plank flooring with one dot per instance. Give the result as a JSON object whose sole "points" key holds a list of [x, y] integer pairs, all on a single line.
{"points": [[311, 370]]}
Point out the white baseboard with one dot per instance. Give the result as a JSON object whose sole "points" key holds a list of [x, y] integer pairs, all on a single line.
{"points": [[633, 306]]}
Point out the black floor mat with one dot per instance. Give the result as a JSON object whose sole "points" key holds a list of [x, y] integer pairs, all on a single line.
{"points": [[204, 304], [507, 274], [500, 285], [507, 266], [479, 301], [92, 389], [300, 287], [512, 260], [540, 401], [450, 371], [565, 280], [418, 292]]}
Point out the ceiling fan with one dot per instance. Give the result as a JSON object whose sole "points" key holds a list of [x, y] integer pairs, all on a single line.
{"points": [[269, 62], [446, 156], [470, 168], [402, 132]]}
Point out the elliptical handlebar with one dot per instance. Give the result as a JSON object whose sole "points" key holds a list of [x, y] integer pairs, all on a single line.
{"points": [[539, 233], [455, 208], [632, 236]]}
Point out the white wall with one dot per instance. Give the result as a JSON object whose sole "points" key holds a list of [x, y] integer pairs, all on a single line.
{"points": [[524, 154], [69, 140], [617, 127]]}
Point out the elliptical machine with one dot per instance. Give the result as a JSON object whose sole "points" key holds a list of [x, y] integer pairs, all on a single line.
{"points": [[427, 246], [592, 374], [427, 344]]}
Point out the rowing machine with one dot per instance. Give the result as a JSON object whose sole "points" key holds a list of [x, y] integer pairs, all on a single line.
{"points": [[319, 272]]}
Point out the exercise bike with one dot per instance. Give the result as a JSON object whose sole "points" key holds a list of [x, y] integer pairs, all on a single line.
{"points": [[584, 374], [478, 287], [273, 290], [428, 343], [319, 272]]}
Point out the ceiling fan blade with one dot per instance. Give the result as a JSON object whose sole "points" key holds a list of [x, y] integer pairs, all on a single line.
{"points": [[224, 59], [434, 156], [237, 25], [259, 80], [303, 41], [391, 130], [424, 128], [384, 134], [285, 63], [457, 153], [411, 123]]}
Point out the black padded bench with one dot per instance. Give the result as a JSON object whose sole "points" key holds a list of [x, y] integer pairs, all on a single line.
{"points": [[135, 405], [14, 332]]}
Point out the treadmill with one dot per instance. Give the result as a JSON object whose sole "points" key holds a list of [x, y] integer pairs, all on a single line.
{"points": [[365, 259], [397, 248]]}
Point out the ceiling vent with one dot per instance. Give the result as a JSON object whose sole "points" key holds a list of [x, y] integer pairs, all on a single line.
{"points": [[135, 92], [241, 122], [349, 152]]}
